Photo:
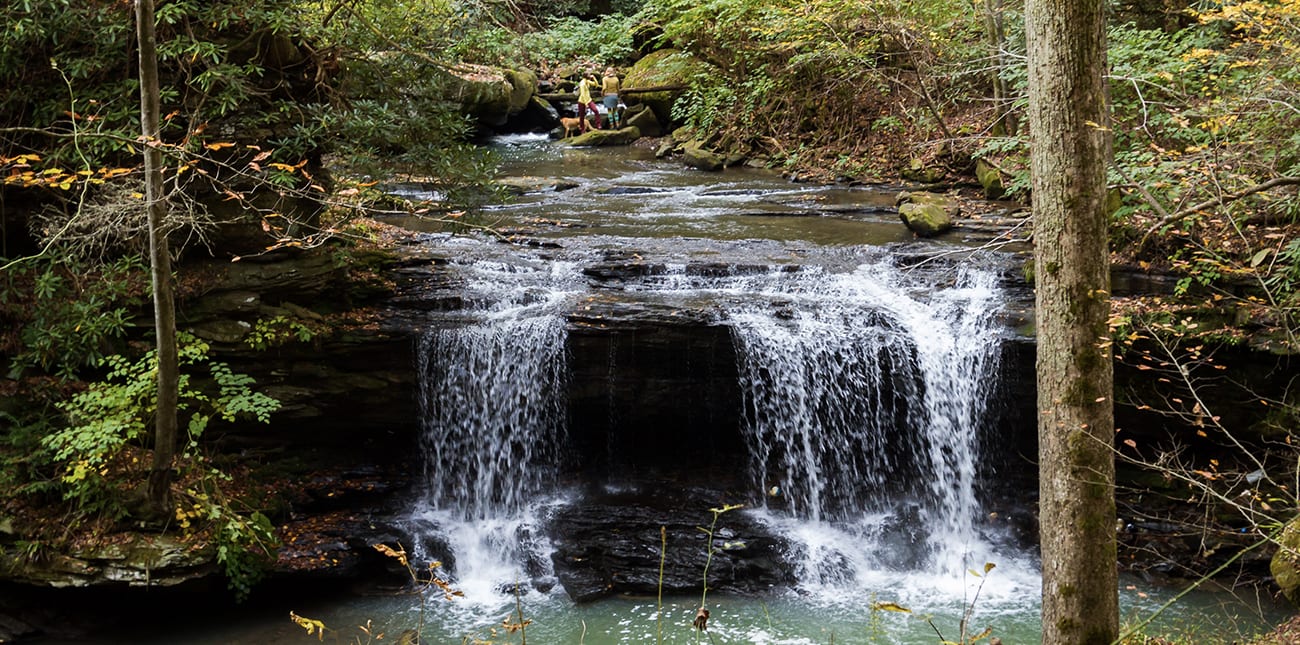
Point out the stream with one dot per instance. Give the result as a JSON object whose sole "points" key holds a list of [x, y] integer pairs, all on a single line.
{"points": [[871, 394]]}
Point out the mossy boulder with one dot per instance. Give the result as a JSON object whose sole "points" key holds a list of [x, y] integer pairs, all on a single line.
{"points": [[949, 205], [927, 214], [1285, 565], [665, 68], [917, 171], [990, 179], [490, 94], [926, 220], [695, 155]]}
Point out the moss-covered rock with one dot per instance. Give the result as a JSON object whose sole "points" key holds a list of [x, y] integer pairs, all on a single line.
{"points": [[490, 94], [926, 220], [950, 206], [695, 155], [1285, 565], [927, 214], [664, 68], [917, 171], [990, 179]]}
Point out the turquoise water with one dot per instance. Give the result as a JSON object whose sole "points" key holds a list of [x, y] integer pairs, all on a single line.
{"points": [[1009, 609]]}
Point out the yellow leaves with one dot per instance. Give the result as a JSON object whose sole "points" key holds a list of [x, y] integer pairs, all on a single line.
{"points": [[314, 627], [21, 173], [398, 554], [1217, 124], [219, 145], [890, 606], [1199, 54]]}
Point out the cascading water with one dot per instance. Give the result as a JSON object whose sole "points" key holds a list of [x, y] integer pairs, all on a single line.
{"points": [[493, 412], [864, 403], [492, 397]]}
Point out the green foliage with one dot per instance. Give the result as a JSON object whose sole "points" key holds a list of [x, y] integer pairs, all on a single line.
{"points": [[244, 544], [76, 61], [791, 72], [1285, 274], [393, 114], [71, 315], [24, 471], [607, 41], [117, 412], [277, 331]]}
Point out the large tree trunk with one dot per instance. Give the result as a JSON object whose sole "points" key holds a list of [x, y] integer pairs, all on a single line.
{"points": [[159, 487], [1067, 121]]}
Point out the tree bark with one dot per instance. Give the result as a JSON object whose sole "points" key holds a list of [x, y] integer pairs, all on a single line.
{"points": [[1067, 120], [165, 423]]}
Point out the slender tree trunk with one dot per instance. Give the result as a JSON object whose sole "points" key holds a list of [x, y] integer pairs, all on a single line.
{"points": [[160, 262], [1067, 121], [1004, 121]]}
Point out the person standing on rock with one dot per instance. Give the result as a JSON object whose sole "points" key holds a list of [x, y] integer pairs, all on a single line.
{"points": [[609, 87], [585, 103]]}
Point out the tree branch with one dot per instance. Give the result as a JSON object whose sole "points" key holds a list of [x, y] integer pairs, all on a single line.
{"points": [[1170, 218]]}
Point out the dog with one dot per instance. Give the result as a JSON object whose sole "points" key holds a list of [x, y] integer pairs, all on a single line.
{"points": [[570, 124]]}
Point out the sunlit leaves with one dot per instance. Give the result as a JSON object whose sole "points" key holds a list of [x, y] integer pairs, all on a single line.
{"points": [[314, 627]]}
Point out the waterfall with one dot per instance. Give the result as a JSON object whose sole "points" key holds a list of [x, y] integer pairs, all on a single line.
{"points": [[492, 398], [864, 397], [492, 405]]}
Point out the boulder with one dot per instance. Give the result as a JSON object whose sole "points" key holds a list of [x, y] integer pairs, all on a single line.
{"points": [[990, 179], [620, 137], [667, 68], [927, 214], [612, 545], [919, 172], [536, 116], [528, 185], [666, 148], [643, 119], [695, 156], [948, 204], [926, 220], [1285, 565], [490, 94]]}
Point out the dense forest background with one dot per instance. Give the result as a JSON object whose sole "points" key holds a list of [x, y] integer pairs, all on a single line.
{"points": [[281, 117]]}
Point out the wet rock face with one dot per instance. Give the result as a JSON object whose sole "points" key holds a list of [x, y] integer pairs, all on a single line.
{"points": [[611, 543], [653, 398]]}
